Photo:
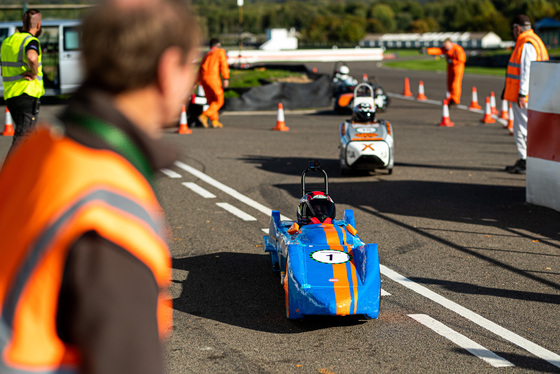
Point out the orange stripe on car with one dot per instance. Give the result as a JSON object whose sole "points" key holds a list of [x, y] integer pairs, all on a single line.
{"points": [[354, 275], [331, 234], [342, 293], [344, 99], [342, 290], [364, 139]]}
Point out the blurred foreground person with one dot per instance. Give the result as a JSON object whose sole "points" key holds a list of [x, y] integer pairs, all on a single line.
{"points": [[213, 69], [456, 58], [528, 48], [84, 265]]}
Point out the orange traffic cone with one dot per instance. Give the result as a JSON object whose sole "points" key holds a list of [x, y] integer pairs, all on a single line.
{"points": [[510, 121], [183, 125], [365, 78], [280, 124], [487, 113], [504, 113], [421, 95], [474, 100], [8, 124], [407, 91], [493, 103], [445, 120]]}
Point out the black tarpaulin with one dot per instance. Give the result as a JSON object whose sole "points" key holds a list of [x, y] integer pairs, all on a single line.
{"points": [[291, 95]]}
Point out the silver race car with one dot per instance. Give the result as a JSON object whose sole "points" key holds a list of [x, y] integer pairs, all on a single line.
{"points": [[366, 143]]}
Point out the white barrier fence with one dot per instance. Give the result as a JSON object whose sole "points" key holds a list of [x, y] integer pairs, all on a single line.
{"points": [[305, 55], [543, 138]]}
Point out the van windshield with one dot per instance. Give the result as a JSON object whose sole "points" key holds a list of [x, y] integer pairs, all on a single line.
{"points": [[3, 34]]}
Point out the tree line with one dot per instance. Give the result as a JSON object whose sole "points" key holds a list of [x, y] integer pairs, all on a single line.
{"points": [[348, 21], [345, 22]]}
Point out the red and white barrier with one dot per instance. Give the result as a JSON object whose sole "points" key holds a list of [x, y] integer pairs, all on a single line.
{"points": [[543, 136]]}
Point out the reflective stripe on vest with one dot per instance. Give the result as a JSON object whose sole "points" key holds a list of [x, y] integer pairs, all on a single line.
{"points": [[114, 200], [102, 192], [14, 65], [513, 70], [18, 77]]}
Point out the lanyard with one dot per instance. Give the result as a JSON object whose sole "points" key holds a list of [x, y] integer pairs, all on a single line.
{"points": [[118, 140]]}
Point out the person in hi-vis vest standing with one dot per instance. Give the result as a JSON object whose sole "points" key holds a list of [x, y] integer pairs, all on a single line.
{"points": [[22, 74], [84, 264], [528, 47], [213, 69]]}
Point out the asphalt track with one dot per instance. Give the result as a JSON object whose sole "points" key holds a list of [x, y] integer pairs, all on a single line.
{"points": [[470, 271]]}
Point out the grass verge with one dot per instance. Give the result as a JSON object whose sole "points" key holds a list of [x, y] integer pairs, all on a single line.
{"points": [[252, 78], [256, 77], [441, 65]]}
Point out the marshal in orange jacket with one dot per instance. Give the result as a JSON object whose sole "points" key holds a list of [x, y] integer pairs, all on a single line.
{"points": [[65, 190], [213, 68], [456, 59]]}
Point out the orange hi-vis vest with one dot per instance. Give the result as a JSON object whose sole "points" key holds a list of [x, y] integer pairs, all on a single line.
{"points": [[52, 191], [513, 71]]}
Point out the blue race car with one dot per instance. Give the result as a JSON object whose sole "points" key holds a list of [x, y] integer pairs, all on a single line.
{"points": [[325, 268]]}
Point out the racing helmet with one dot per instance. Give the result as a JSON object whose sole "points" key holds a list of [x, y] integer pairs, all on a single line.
{"points": [[315, 207], [343, 70], [363, 113]]}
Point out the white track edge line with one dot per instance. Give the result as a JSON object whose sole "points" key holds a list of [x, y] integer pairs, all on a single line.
{"points": [[462, 341]]}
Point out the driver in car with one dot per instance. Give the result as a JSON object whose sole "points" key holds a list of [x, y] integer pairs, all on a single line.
{"points": [[316, 208]]}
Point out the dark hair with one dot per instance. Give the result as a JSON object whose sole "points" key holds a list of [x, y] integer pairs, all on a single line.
{"points": [[122, 47], [29, 21], [214, 42], [522, 20]]}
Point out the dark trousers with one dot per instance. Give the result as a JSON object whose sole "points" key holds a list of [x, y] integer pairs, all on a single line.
{"points": [[25, 113]]}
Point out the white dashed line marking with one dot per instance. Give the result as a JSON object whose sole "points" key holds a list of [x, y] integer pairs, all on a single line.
{"points": [[236, 212], [228, 190], [170, 173], [462, 341], [385, 293], [199, 190]]}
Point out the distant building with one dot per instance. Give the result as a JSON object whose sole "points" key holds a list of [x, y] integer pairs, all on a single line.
{"points": [[280, 40], [467, 40], [549, 31], [232, 39]]}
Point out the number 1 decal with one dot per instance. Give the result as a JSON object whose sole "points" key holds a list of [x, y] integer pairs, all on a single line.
{"points": [[330, 256]]}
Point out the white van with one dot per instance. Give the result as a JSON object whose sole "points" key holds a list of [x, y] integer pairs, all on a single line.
{"points": [[60, 42]]}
